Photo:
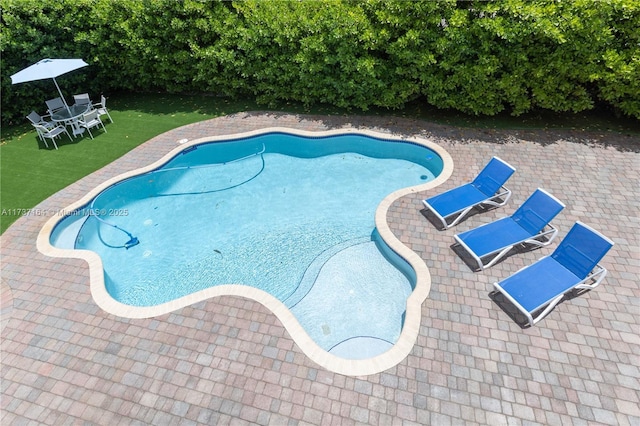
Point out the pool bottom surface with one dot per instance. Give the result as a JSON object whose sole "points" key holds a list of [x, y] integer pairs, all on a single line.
{"points": [[286, 225], [356, 305], [412, 305]]}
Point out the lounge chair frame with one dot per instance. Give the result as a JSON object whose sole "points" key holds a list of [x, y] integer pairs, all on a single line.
{"points": [[549, 233], [543, 238], [497, 199], [591, 279], [533, 317]]}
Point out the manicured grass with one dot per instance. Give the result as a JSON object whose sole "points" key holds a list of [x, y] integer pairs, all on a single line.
{"points": [[29, 172]]}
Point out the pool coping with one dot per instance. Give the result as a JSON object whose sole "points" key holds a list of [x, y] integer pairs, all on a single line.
{"points": [[382, 362]]}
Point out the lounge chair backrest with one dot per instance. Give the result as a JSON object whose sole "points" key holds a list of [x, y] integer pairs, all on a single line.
{"points": [[493, 176], [582, 249], [535, 213]]}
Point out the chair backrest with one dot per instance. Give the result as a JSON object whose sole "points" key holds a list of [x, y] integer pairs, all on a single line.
{"points": [[537, 211], [103, 101], [493, 176], [34, 117], [82, 99], [90, 116], [582, 249], [54, 104]]}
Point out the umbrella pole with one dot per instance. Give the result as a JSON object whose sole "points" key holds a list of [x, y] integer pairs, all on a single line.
{"points": [[62, 96]]}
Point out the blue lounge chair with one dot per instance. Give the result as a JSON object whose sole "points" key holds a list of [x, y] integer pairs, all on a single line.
{"points": [[486, 189], [572, 266], [490, 242]]}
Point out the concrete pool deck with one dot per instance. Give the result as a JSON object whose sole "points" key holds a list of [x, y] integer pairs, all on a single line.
{"points": [[229, 359]]}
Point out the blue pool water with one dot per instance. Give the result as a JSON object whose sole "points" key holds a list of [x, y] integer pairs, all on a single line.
{"points": [[290, 215]]}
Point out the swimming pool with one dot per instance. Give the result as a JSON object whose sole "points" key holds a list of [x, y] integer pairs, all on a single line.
{"points": [[293, 216]]}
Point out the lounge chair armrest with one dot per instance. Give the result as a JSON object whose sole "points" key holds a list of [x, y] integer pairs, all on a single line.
{"points": [[597, 275], [458, 215], [503, 192], [550, 233], [551, 230]]}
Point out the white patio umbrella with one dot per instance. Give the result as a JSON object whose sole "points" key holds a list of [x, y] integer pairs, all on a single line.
{"points": [[48, 68]]}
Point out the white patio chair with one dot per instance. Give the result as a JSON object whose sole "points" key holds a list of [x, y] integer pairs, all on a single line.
{"points": [[54, 105], [487, 189], [89, 120], [43, 132], [102, 107], [82, 99], [36, 118]]}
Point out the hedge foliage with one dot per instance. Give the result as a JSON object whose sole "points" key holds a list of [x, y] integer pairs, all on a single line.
{"points": [[479, 57]]}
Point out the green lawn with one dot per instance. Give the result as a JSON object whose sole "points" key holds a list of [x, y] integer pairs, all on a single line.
{"points": [[29, 172]]}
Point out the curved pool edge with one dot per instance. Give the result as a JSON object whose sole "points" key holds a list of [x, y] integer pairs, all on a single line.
{"points": [[377, 364]]}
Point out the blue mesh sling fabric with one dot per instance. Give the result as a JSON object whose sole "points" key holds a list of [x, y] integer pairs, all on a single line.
{"points": [[493, 176], [581, 250], [535, 213]]}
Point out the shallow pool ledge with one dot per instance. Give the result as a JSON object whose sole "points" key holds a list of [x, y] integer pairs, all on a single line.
{"points": [[348, 367]]}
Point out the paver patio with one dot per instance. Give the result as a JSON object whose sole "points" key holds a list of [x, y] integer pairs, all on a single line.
{"points": [[229, 360]]}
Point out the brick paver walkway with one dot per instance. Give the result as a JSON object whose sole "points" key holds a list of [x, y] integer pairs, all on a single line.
{"points": [[229, 360]]}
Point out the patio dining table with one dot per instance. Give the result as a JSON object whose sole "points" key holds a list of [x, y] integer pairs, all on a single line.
{"points": [[70, 116]]}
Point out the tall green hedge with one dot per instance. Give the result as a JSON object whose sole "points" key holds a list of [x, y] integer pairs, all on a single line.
{"points": [[479, 57]]}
